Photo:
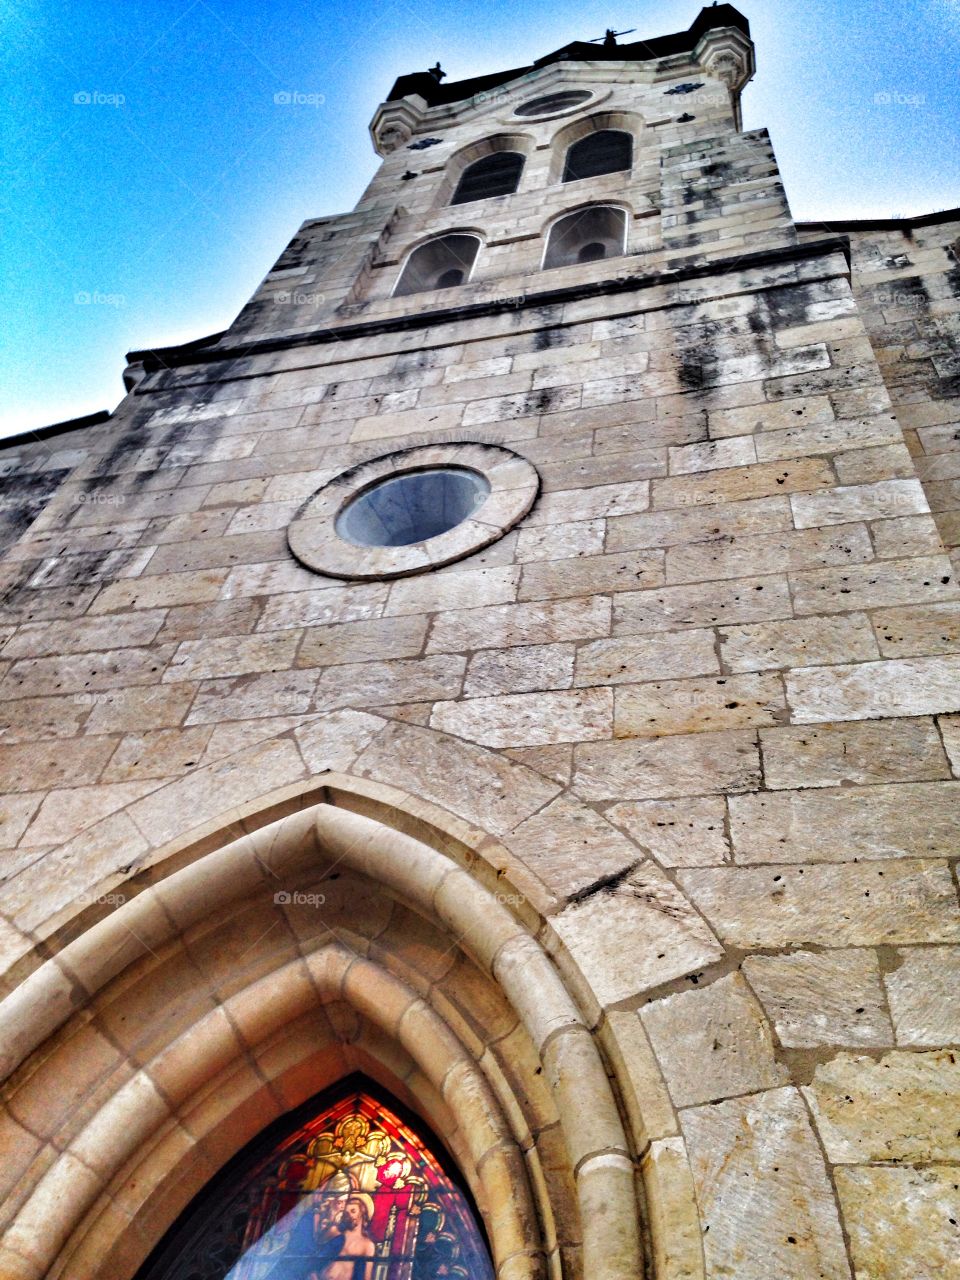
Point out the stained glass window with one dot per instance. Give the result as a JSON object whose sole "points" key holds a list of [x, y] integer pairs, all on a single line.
{"points": [[347, 1190]]}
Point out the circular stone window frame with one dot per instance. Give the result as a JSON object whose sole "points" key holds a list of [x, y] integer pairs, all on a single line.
{"points": [[312, 534]]}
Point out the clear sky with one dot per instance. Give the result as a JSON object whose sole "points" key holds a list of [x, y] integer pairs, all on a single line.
{"points": [[153, 180]]}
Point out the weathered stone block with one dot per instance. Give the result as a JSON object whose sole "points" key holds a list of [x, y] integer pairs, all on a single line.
{"points": [[502, 626], [519, 670], [870, 586], [884, 500], [586, 575], [703, 524], [467, 589], [930, 629], [381, 684], [570, 847], [735, 557], [766, 1203], [924, 994], [370, 641], [233, 655], [701, 605], [902, 1107], [324, 605], [902, 1223], [798, 642], [738, 483], [678, 833], [529, 719], [860, 751], [633, 935], [660, 768], [813, 999], [405, 757], [920, 819], [698, 706], [649, 657], [721, 1028], [852, 905], [872, 690], [561, 541]]}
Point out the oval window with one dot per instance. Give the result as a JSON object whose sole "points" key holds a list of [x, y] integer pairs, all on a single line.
{"points": [[551, 103], [412, 507], [413, 510]]}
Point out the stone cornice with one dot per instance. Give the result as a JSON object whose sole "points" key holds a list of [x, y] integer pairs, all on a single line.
{"points": [[191, 354]]}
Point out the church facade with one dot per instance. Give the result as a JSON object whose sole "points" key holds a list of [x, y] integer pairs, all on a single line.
{"points": [[481, 737]]}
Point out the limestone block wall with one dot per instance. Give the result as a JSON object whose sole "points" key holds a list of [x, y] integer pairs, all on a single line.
{"points": [[906, 278], [668, 775]]}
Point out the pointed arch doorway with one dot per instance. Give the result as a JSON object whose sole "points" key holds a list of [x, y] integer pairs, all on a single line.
{"points": [[257, 968], [349, 1186]]}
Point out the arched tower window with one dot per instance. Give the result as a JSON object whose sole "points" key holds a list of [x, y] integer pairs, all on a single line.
{"points": [[587, 235], [442, 263], [493, 175], [347, 1186], [605, 151]]}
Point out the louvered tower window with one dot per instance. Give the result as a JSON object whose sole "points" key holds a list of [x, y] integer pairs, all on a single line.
{"points": [[442, 263], [606, 151], [494, 175], [586, 235]]}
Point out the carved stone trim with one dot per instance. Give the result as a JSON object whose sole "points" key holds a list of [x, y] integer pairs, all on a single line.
{"points": [[727, 54], [395, 123]]}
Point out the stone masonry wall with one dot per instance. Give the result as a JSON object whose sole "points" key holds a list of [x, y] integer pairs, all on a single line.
{"points": [[706, 693], [907, 283]]}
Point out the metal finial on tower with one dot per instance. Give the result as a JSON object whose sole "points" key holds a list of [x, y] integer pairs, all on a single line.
{"points": [[438, 73], [609, 39]]}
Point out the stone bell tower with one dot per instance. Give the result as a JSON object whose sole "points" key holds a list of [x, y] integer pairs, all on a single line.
{"points": [[499, 699]]}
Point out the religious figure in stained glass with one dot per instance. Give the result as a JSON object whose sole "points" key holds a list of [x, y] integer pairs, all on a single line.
{"points": [[353, 1193]]}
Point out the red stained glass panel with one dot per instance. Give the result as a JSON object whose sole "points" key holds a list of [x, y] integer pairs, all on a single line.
{"points": [[353, 1193]]}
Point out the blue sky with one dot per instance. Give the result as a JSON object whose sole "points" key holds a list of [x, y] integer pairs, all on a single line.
{"points": [[153, 181]]}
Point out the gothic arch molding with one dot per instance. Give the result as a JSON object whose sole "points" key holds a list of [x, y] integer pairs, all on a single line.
{"points": [[596, 1150]]}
